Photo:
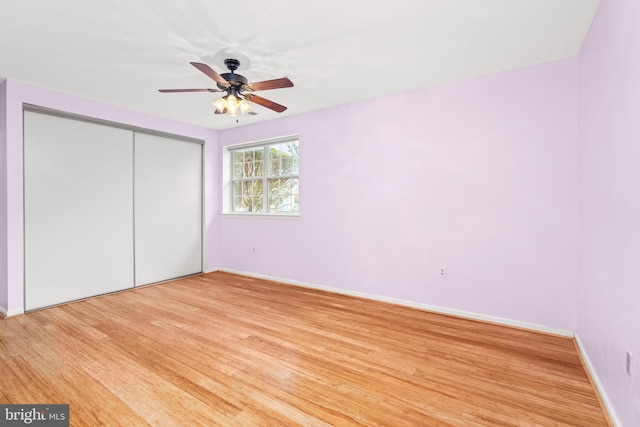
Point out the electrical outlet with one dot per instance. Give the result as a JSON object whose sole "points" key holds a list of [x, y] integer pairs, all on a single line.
{"points": [[253, 250], [628, 365], [442, 272]]}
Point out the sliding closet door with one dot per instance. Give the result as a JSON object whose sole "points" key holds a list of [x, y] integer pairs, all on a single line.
{"points": [[168, 208], [78, 189]]}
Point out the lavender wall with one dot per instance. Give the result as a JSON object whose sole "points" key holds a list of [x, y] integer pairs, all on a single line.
{"points": [[17, 93], [609, 135], [3, 194], [478, 176]]}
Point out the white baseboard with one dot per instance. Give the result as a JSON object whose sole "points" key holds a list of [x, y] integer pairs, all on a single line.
{"points": [[412, 304], [10, 313], [596, 380]]}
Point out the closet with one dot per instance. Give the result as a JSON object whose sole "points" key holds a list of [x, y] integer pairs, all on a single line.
{"points": [[106, 207]]}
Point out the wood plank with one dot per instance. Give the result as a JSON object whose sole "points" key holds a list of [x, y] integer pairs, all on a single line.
{"points": [[223, 349]]}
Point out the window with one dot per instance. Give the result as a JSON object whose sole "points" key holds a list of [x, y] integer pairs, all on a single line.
{"points": [[264, 177]]}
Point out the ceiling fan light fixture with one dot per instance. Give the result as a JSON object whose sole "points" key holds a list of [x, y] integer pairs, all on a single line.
{"points": [[232, 105], [220, 103], [244, 106]]}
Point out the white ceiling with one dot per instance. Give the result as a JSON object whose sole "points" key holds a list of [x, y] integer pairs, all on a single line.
{"points": [[335, 51]]}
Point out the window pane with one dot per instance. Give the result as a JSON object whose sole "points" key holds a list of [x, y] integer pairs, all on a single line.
{"points": [[238, 205], [247, 196], [238, 197], [237, 165], [254, 195], [275, 167], [252, 164], [283, 195], [237, 188], [237, 170], [284, 159], [287, 166], [256, 204]]}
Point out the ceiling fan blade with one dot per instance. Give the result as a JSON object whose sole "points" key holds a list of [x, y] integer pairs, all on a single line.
{"points": [[210, 73], [269, 84], [265, 102], [188, 90]]}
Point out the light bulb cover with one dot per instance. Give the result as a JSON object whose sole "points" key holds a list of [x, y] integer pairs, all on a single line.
{"points": [[244, 106], [232, 105], [219, 104]]}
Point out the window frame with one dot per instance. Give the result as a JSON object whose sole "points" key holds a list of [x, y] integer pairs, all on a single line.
{"points": [[228, 179]]}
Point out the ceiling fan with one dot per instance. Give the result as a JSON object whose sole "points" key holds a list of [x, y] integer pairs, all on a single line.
{"points": [[238, 89]]}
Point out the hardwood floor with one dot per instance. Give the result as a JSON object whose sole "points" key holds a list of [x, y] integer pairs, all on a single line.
{"points": [[222, 349]]}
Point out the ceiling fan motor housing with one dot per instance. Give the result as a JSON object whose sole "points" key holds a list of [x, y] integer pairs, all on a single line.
{"points": [[236, 80]]}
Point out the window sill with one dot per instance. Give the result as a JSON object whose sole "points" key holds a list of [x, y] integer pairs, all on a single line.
{"points": [[261, 215]]}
